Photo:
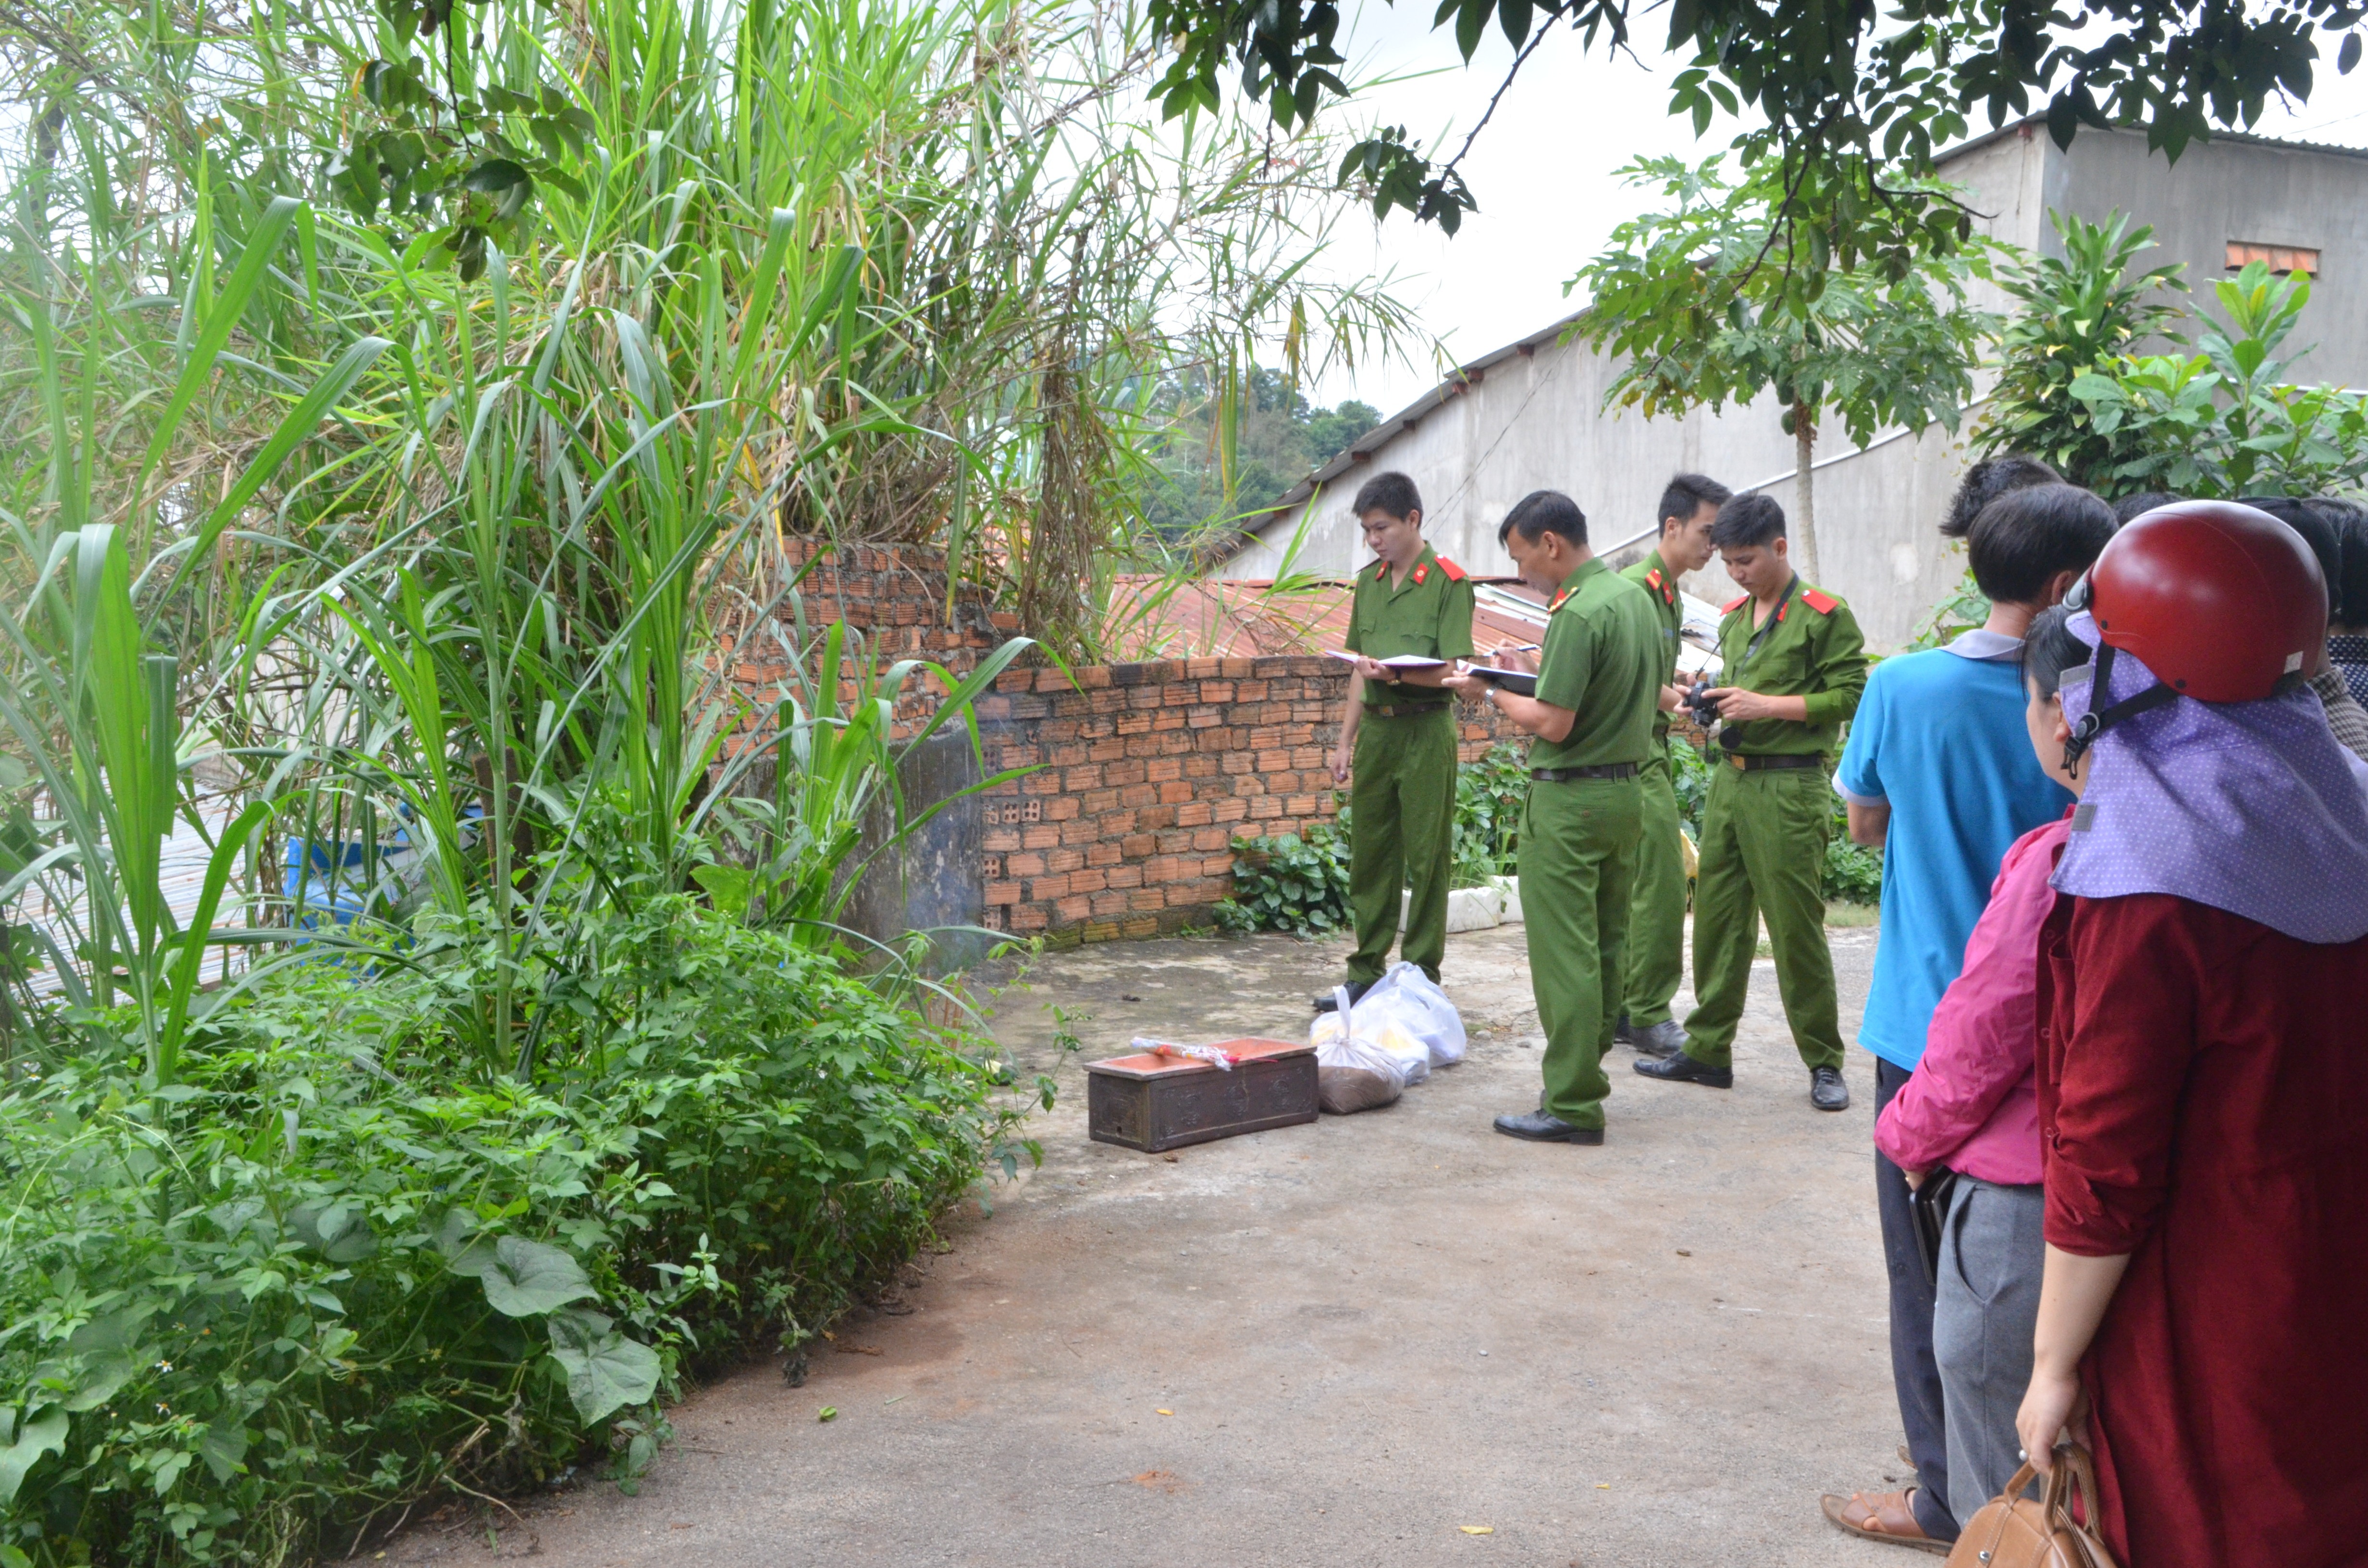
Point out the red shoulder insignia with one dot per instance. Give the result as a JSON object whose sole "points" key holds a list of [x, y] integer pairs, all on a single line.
{"points": [[1736, 603], [1422, 570], [1454, 574], [1820, 601], [1653, 578]]}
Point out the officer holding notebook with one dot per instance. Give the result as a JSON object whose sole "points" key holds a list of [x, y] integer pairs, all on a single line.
{"points": [[1397, 750], [1598, 685]]}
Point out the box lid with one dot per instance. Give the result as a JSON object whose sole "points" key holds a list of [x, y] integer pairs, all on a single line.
{"points": [[1248, 1048]]}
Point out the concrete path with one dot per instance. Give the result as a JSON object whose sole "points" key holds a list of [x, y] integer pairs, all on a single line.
{"points": [[1336, 1345]]}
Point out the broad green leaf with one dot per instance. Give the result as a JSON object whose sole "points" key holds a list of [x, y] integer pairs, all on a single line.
{"points": [[43, 1434], [224, 1446], [606, 1371], [523, 1278]]}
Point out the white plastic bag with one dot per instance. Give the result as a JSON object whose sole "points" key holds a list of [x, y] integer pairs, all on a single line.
{"points": [[1353, 1071], [1404, 999]]}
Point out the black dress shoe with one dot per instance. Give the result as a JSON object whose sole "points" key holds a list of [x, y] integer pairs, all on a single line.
{"points": [[1542, 1126], [1684, 1069], [1665, 1038], [1826, 1090], [1330, 1003]]}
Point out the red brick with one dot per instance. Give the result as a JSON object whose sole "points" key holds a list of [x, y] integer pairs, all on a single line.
{"points": [[1138, 929], [1265, 810], [1237, 762], [1162, 869], [1082, 831], [1027, 865], [1201, 669], [1039, 836], [1044, 889], [1110, 750], [1097, 803], [1077, 780], [1175, 794], [1074, 908], [1104, 854], [1000, 840], [1198, 813], [1091, 881], [1138, 846], [1143, 746], [1200, 767], [1122, 774], [1138, 795], [1302, 806], [1110, 904], [1060, 860], [1102, 931], [1212, 838], [1061, 808], [1002, 892], [1117, 825], [1147, 897], [1154, 818], [1167, 770], [1127, 876]]}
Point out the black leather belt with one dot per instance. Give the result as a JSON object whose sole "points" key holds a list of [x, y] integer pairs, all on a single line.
{"points": [[1407, 709], [1600, 770], [1785, 760]]}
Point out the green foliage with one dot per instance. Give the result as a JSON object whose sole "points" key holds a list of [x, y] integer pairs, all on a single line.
{"points": [[1689, 771], [1958, 610], [1291, 883], [1491, 795], [339, 1267], [2077, 312], [1747, 287], [1230, 455], [2226, 422], [1853, 873]]}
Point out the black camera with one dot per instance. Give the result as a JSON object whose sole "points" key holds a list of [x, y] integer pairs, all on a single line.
{"points": [[1698, 704]]}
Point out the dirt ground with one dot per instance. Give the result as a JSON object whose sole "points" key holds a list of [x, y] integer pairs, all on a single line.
{"points": [[1348, 1343]]}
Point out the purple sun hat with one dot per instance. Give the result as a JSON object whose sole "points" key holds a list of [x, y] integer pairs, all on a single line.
{"points": [[2251, 807]]}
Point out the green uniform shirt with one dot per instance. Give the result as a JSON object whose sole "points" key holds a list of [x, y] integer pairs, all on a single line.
{"points": [[1427, 612], [1811, 648], [1661, 585], [1602, 661]]}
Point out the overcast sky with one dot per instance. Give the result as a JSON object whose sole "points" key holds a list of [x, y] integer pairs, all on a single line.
{"points": [[1542, 174]]}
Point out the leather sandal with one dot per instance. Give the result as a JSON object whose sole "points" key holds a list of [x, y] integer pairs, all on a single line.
{"points": [[1888, 1517]]}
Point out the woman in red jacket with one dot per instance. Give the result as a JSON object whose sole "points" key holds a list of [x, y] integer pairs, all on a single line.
{"points": [[2202, 1078]]}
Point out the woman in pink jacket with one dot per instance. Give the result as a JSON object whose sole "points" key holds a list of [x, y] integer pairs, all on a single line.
{"points": [[1972, 1106]]}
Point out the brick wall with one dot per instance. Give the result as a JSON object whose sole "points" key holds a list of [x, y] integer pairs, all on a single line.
{"points": [[1144, 773]]}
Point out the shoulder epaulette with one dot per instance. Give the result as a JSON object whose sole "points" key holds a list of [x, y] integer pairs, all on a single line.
{"points": [[1736, 603], [1819, 600], [1454, 574]]}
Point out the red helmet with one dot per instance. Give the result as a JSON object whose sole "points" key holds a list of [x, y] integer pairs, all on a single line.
{"points": [[2222, 602]]}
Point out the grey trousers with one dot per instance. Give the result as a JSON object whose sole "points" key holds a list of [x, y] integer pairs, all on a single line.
{"points": [[1984, 1313]]}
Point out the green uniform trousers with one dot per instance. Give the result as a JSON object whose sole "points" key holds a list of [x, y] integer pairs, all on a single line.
{"points": [[1656, 911], [1763, 853], [1401, 832], [1578, 862]]}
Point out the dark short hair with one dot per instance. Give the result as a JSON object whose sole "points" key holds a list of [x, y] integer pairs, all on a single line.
{"points": [[2049, 648], [2317, 532], [1544, 512], [2146, 501], [2025, 537], [1748, 519], [1687, 494], [2351, 520], [1986, 482], [1392, 492]]}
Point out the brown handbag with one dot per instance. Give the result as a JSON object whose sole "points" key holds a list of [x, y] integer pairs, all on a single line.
{"points": [[2016, 1531]]}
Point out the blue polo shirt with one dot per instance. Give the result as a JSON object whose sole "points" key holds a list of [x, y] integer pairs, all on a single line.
{"points": [[1940, 738]]}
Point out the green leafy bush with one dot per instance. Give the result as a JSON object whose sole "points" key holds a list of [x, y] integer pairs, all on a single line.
{"points": [[338, 1266], [1490, 794], [1853, 873], [1291, 883]]}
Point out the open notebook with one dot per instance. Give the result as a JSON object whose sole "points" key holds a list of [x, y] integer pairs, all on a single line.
{"points": [[1396, 661]]}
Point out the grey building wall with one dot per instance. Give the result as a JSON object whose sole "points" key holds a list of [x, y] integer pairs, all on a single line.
{"points": [[1531, 416]]}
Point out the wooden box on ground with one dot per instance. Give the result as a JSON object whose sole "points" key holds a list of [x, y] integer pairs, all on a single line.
{"points": [[1154, 1103]]}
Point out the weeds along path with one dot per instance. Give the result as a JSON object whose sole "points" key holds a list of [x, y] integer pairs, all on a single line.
{"points": [[1336, 1344]]}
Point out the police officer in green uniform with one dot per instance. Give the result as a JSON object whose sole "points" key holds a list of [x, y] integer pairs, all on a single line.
{"points": [[1598, 676], [1657, 911], [1795, 668], [1397, 749]]}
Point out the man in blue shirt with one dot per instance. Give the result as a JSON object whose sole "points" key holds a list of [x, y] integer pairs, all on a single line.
{"points": [[1939, 770]]}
